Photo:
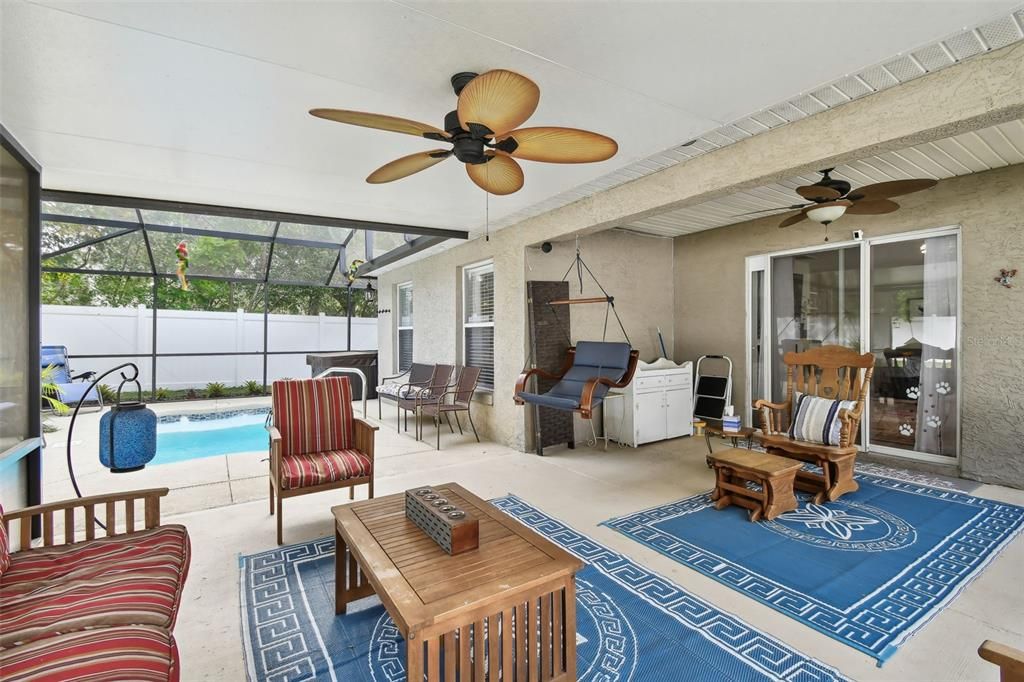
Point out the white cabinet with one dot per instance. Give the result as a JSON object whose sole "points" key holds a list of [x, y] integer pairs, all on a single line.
{"points": [[657, 404]]}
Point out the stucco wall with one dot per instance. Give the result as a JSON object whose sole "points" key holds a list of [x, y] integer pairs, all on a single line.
{"points": [[636, 270], [709, 294]]}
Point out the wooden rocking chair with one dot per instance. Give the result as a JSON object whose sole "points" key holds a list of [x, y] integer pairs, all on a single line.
{"points": [[836, 373]]}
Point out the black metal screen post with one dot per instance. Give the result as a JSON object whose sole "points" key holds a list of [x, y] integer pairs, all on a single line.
{"points": [[266, 328], [348, 345], [156, 302], [156, 284], [266, 300]]}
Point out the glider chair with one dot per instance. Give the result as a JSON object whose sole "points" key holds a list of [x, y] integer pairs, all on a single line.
{"points": [[316, 443], [458, 399], [818, 421], [591, 369]]}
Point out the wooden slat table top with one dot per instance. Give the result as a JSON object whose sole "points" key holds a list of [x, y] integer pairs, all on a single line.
{"points": [[420, 583], [752, 460]]}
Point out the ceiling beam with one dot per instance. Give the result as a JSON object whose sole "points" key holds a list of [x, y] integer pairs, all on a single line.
{"points": [[88, 242], [980, 92], [210, 278], [195, 231], [249, 213], [398, 253]]}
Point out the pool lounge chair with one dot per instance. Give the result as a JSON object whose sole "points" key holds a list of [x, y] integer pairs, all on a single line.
{"points": [[71, 386]]}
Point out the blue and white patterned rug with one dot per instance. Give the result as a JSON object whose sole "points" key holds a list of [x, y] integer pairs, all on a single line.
{"points": [[868, 570], [632, 624]]}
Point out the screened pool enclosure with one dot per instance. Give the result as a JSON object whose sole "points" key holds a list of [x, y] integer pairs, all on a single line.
{"points": [[100, 250]]}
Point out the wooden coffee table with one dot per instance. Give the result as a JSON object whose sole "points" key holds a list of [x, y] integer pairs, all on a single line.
{"points": [[506, 609], [773, 474]]}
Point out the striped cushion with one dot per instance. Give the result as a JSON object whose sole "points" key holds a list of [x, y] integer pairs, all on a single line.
{"points": [[141, 654], [317, 468], [5, 547], [816, 420], [121, 580], [313, 415]]}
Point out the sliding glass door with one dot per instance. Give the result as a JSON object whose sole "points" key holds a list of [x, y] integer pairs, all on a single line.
{"points": [[914, 323], [815, 301], [895, 297]]}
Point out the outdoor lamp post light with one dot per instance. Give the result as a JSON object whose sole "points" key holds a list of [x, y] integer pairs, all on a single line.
{"points": [[127, 431]]}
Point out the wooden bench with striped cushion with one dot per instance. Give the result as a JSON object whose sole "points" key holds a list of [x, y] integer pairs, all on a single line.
{"points": [[96, 608]]}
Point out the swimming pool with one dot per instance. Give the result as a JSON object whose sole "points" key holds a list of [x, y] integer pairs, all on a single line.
{"points": [[181, 437]]}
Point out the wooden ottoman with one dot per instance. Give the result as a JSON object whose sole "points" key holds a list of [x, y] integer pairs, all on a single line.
{"points": [[775, 476]]}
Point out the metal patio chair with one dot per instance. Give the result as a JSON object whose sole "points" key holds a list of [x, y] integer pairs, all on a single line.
{"points": [[458, 399]]}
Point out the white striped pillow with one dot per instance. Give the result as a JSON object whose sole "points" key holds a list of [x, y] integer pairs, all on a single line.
{"points": [[816, 420]]}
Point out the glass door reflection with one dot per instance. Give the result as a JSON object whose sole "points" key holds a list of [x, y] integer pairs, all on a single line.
{"points": [[914, 304], [815, 302]]}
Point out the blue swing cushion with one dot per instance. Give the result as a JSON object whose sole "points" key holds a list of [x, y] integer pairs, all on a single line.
{"points": [[593, 359]]}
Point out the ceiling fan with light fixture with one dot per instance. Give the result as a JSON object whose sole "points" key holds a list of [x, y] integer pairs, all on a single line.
{"points": [[484, 133], [830, 199]]}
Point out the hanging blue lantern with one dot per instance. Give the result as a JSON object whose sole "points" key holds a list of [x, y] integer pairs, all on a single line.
{"points": [[127, 433]]}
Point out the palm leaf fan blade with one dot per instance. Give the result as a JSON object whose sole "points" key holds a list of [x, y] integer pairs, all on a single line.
{"points": [[893, 188], [407, 165], [393, 124], [501, 100], [562, 145], [501, 175], [818, 192], [794, 219], [872, 207]]}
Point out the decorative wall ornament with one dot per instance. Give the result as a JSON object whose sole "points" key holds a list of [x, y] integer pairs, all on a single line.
{"points": [[1006, 277]]}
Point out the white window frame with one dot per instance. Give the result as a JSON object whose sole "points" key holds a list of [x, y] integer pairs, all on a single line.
{"points": [[466, 271], [398, 322]]}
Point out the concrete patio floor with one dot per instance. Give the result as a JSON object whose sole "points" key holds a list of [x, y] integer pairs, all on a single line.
{"points": [[223, 503]]}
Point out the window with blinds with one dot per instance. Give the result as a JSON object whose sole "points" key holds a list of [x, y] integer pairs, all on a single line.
{"points": [[404, 318], [478, 320]]}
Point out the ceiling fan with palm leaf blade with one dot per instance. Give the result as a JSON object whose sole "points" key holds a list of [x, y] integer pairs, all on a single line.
{"points": [[484, 133], [831, 198]]}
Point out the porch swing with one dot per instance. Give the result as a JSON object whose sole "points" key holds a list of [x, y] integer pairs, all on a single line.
{"points": [[591, 368]]}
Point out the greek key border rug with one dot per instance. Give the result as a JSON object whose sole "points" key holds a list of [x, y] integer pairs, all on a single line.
{"points": [[869, 570], [632, 624]]}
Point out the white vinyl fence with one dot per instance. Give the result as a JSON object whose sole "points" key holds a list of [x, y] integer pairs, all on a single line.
{"points": [[88, 330]]}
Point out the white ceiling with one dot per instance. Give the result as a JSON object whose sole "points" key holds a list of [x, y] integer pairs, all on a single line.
{"points": [[206, 102], [973, 152]]}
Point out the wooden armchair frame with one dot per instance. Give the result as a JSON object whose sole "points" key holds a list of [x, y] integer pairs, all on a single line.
{"points": [[586, 408], [1009, 660], [108, 503], [363, 440], [836, 373]]}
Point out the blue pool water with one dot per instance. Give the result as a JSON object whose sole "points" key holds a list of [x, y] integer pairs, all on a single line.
{"points": [[191, 436]]}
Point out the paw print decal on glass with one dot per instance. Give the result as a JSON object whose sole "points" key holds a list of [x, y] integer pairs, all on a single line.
{"points": [[942, 388], [913, 392], [934, 422], [906, 430]]}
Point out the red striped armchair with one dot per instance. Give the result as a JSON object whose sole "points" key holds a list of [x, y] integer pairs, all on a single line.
{"points": [[316, 444]]}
